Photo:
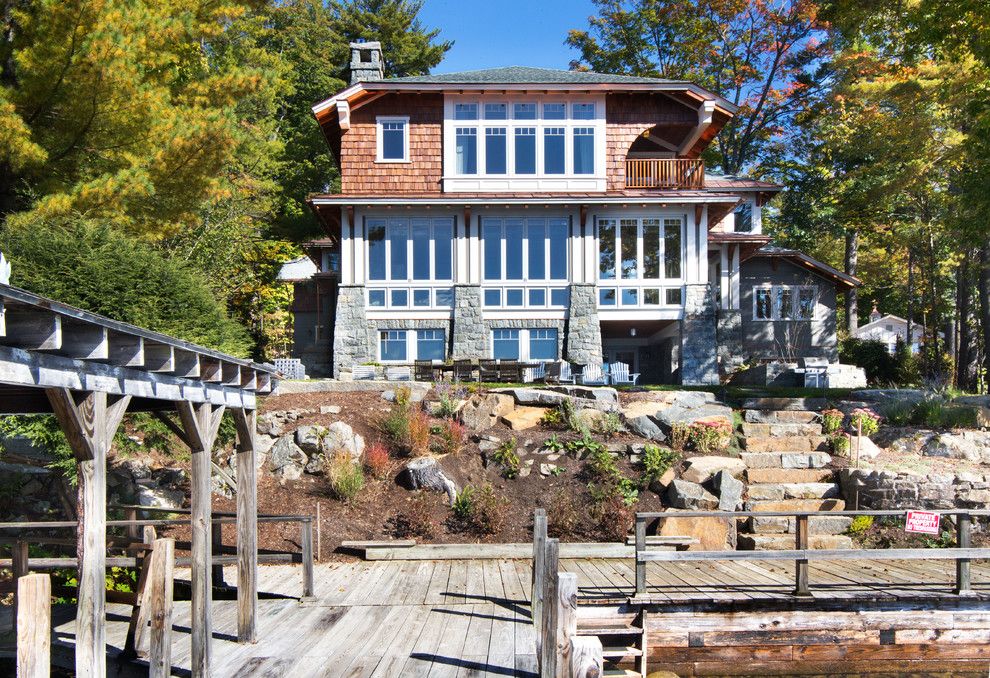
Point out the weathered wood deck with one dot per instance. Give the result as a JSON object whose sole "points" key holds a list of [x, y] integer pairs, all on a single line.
{"points": [[471, 617]]}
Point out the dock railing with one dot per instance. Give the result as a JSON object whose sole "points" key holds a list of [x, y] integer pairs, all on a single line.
{"points": [[962, 554]]}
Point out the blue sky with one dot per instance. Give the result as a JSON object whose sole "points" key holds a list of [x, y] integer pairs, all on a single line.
{"points": [[506, 32]]}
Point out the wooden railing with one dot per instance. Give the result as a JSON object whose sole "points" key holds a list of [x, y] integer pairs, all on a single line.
{"points": [[665, 173], [801, 553]]}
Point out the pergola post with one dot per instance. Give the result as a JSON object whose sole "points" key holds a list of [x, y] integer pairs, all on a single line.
{"points": [[200, 421], [247, 526], [89, 420]]}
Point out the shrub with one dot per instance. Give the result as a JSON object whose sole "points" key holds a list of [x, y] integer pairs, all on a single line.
{"points": [[552, 419], [610, 424], [562, 514], [345, 477], [585, 445], [488, 511], [613, 516], [419, 434], [709, 436], [832, 421], [601, 465], [656, 461], [463, 504], [553, 444], [860, 524], [679, 436], [840, 444], [452, 437], [416, 521], [448, 395], [899, 412], [376, 460], [865, 420], [506, 457], [394, 426], [873, 356]]}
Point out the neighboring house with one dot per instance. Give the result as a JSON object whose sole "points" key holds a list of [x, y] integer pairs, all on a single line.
{"points": [[314, 279], [540, 214], [889, 329]]}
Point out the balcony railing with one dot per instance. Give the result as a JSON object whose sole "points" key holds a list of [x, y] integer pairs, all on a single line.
{"points": [[665, 173]]}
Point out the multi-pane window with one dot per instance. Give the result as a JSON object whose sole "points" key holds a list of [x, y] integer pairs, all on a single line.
{"points": [[640, 248], [785, 302], [525, 148], [465, 111], [744, 218], [467, 150], [543, 344], [524, 249], [405, 345], [395, 243], [524, 111], [430, 345], [525, 344], [505, 344], [393, 141], [584, 111], [554, 111], [495, 150], [496, 111], [554, 158], [392, 345], [584, 150]]}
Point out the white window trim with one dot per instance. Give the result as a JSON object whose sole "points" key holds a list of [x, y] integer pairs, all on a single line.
{"points": [[524, 340], [639, 280], [775, 309], [545, 281], [379, 139], [409, 281], [412, 345]]}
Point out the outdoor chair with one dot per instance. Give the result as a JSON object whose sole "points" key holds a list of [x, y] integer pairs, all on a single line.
{"points": [[570, 373], [487, 370], [463, 370], [553, 373], [594, 375], [535, 374], [510, 371], [424, 370], [359, 372], [620, 374], [398, 374]]}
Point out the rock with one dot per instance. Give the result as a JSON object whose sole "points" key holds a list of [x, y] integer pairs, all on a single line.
{"points": [[590, 419], [781, 429], [160, 497], [135, 468], [781, 475], [903, 440], [679, 414], [861, 447], [316, 464], [388, 396], [785, 443], [805, 460], [644, 427], [884, 396], [779, 417], [601, 397], [548, 469], [641, 408], [482, 411], [700, 469], [728, 490], [713, 534], [329, 409], [308, 438], [525, 471], [782, 542], [659, 485], [779, 491], [523, 418], [269, 424], [285, 453], [781, 525], [426, 473], [963, 444], [535, 397], [262, 444], [687, 495], [489, 445], [806, 404], [340, 437], [796, 505]]}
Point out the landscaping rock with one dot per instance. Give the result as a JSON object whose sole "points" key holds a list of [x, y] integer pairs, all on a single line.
{"points": [[329, 409], [700, 469], [644, 427], [316, 464], [641, 408], [308, 438], [425, 473], [590, 419], [728, 490], [805, 460], [781, 475], [482, 411], [806, 404], [340, 437], [286, 459], [160, 497], [523, 418], [489, 445], [782, 542], [659, 485], [796, 505], [862, 448], [269, 424], [963, 444], [779, 417], [601, 397], [885, 396], [547, 469], [687, 495], [713, 534], [686, 415]]}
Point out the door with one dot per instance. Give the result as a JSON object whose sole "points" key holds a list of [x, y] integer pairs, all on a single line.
{"points": [[623, 355]]}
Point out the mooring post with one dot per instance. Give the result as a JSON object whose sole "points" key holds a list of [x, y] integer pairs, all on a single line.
{"points": [[801, 564], [963, 541], [640, 547]]}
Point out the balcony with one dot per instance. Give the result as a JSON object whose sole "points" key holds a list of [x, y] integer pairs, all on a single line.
{"points": [[665, 173]]}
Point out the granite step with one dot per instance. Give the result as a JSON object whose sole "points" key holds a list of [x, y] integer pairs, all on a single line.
{"points": [[780, 491], [779, 416], [780, 525], [788, 475], [790, 404], [804, 443], [781, 429], [786, 460], [785, 542], [796, 505]]}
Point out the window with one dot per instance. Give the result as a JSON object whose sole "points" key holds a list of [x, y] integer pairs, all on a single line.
{"points": [[606, 249], [467, 150], [553, 150], [606, 297], [554, 111], [633, 249], [376, 298], [524, 249], [505, 344], [672, 248], [629, 243], [392, 345], [524, 111], [525, 140], [393, 243], [399, 298], [421, 297], [584, 150], [495, 150], [430, 345], [785, 302], [465, 111], [496, 111], [673, 296], [558, 296], [493, 297], [630, 297], [744, 217], [651, 296], [543, 344], [444, 298], [514, 297], [393, 140], [583, 111], [537, 297]]}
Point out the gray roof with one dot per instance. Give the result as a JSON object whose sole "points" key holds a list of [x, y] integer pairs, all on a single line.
{"points": [[525, 75]]}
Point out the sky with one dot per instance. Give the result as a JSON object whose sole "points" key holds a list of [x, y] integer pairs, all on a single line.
{"points": [[506, 32]]}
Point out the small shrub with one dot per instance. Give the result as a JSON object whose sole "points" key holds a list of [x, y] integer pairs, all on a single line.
{"points": [[345, 477], [403, 396], [709, 436], [679, 434], [898, 412], [552, 419], [656, 461], [866, 420], [463, 504], [506, 457], [452, 437], [376, 460], [448, 395], [832, 421], [860, 524], [416, 521], [613, 517], [600, 464], [553, 444], [488, 511], [840, 444], [562, 514], [585, 445], [610, 425], [419, 434]]}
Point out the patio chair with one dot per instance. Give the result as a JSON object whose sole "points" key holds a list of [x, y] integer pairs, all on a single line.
{"points": [[594, 375], [487, 370], [536, 374], [463, 370], [424, 370], [398, 374], [359, 372], [553, 373], [570, 373], [510, 371], [620, 374]]}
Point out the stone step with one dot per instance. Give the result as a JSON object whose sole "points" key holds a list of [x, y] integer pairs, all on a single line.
{"points": [[817, 525], [780, 430], [797, 505], [786, 460], [806, 404], [778, 491], [785, 542], [789, 475], [779, 416], [785, 443]]}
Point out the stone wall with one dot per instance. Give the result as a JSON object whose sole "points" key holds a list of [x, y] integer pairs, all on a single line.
{"points": [[469, 336], [729, 334], [888, 490], [698, 337], [352, 341], [584, 331]]}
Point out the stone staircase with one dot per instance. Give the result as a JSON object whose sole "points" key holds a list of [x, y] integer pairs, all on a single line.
{"points": [[786, 458], [623, 640]]}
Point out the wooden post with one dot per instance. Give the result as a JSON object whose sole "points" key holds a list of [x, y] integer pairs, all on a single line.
{"points": [[567, 591], [216, 548], [964, 540], [640, 564], [34, 626], [19, 564], [319, 538], [134, 642], [548, 625], [586, 657], [539, 572], [306, 542], [247, 526], [132, 529], [801, 565], [89, 421], [163, 563]]}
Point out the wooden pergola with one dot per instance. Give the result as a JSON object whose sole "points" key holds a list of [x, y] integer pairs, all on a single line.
{"points": [[88, 370]]}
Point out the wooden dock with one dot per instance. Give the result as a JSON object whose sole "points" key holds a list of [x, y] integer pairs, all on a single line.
{"points": [[472, 617]]}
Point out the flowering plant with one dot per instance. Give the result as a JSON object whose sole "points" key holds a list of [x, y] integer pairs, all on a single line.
{"points": [[865, 420], [832, 421]]}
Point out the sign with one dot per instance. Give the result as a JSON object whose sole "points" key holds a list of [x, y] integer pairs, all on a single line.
{"points": [[923, 522]]}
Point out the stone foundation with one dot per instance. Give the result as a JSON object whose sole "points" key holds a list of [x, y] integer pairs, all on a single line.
{"points": [[584, 331], [352, 342], [469, 335], [887, 490], [699, 363], [728, 332]]}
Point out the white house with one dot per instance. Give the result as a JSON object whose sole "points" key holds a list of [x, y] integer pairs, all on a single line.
{"points": [[888, 329]]}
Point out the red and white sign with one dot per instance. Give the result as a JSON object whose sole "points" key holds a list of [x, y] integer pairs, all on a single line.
{"points": [[923, 522]]}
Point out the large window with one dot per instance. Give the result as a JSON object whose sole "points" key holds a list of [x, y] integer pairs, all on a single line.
{"points": [[467, 150], [393, 139], [409, 345], [394, 244], [525, 249], [430, 345], [785, 302], [495, 150], [640, 248], [525, 344], [392, 345], [584, 150], [505, 344], [543, 344], [525, 140]]}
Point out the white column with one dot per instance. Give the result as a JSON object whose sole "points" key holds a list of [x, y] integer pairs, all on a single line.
{"points": [[590, 252], [701, 243], [575, 241], [357, 229], [734, 279], [726, 300], [474, 249], [757, 216], [346, 250], [461, 262]]}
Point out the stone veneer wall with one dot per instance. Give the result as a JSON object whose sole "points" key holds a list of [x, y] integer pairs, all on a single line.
{"points": [[699, 363], [888, 490], [469, 334], [352, 342], [584, 331], [729, 333]]}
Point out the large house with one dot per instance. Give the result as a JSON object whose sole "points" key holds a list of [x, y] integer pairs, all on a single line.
{"points": [[533, 214], [889, 329]]}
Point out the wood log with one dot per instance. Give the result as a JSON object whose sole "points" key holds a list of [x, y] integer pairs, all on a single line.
{"points": [[586, 659], [34, 626], [160, 658], [425, 473]]}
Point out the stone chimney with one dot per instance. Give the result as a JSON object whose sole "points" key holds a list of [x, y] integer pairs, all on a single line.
{"points": [[366, 62], [875, 314]]}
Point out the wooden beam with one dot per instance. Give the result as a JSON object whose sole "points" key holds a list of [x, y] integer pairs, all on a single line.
{"points": [[185, 364], [126, 350], [230, 374], [34, 626], [249, 379], [84, 342], [247, 526], [159, 357], [209, 370], [172, 426], [34, 330]]}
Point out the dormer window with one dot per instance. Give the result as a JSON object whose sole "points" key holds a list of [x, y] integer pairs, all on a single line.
{"points": [[393, 139]]}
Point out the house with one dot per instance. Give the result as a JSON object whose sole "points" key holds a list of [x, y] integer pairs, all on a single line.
{"points": [[540, 214], [889, 329]]}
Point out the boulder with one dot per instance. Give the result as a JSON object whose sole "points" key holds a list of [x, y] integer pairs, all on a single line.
{"points": [[686, 415], [269, 424], [329, 409], [601, 397], [316, 465], [728, 490], [962, 444], [308, 438], [861, 447], [590, 419], [659, 485], [713, 534], [548, 469], [687, 495], [286, 458], [482, 411], [640, 408], [885, 396], [903, 440], [160, 497], [425, 473], [340, 437], [700, 469], [644, 427], [523, 418]]}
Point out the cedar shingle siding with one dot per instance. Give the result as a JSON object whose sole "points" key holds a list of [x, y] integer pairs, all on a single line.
{"points": [[359, 172]]}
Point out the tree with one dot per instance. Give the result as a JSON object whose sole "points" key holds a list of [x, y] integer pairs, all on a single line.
{"points": [[764, 57]]}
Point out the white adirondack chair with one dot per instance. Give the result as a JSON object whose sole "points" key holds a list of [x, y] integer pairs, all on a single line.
{"points": [[398, 374], [359, 372], [538, 373], [566, 376], [620, 374], [594, 375]]}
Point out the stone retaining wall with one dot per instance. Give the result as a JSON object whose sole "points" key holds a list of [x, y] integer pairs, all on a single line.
{"points": [[888, 490]]}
